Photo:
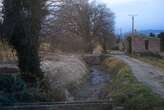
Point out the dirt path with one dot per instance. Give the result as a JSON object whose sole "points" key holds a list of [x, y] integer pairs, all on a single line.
{"points": [[146, 73]]}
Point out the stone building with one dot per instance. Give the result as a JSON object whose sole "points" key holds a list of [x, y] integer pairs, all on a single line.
{"points": [[146, 45]]}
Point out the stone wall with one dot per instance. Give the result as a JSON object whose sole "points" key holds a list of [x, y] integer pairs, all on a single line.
{"points": [[138, 45], [154, 45]]}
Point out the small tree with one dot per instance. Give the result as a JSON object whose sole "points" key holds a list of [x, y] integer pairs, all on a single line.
{"points": [[152, 35]]}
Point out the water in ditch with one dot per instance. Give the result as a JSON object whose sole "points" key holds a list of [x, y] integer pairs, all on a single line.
{"points": [[92, 88]]}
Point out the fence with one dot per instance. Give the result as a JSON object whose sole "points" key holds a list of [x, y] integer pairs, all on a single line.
{"points": [[77, 105]]}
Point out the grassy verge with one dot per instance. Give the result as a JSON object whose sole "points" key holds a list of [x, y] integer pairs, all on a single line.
{"points": [[125, 90], [152, 60]]}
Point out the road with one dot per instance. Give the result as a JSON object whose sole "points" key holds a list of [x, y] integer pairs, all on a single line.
{"points": [[145, 73]]}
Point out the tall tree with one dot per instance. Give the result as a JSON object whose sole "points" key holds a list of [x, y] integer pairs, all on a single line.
{"points": [[85, 20], [21, 27]]}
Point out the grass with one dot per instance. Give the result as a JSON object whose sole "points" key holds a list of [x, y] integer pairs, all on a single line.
{"points": [[126, 91], [152, 60], [6, 52]]}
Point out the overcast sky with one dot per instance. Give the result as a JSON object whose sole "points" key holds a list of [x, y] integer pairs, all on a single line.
{"points": [[150, 13]]}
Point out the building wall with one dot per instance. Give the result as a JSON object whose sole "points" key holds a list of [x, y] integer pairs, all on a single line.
{"points": [[138, 45], [154, 45], [162, 44]]}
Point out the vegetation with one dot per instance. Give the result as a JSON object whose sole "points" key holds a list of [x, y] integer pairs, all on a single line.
{"points": [[126, 91], [21, 27], [80, 23], [129, 39], [6, 52], [13, 90], [155, 61], [71, 22]]}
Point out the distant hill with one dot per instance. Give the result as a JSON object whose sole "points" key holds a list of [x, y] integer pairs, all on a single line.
{"points": [[147, 32]]}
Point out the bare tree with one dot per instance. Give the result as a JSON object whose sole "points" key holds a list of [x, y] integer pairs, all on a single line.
{"points": [[80, 19]]}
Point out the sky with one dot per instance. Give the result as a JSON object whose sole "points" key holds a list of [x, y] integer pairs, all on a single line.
{"points": [[150, 14]]}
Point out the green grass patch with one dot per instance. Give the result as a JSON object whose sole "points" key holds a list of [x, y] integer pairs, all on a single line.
{"points": [[126, 91]]}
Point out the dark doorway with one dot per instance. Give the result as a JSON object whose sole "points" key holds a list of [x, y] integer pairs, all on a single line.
{"points": [[147, 44], [161, 36], [162, 44]]}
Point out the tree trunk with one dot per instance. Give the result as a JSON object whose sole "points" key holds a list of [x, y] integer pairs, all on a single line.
{"points": [[22, 24]]}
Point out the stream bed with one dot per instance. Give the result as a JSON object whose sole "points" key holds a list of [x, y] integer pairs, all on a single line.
{"points": [[92, 88]]}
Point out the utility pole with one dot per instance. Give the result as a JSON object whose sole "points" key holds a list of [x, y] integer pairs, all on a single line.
{"points": [[133, 24], [133, 31], [120, 32]]}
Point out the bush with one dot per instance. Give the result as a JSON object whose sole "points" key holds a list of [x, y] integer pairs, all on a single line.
{"points": [[14, 90], [7, 53], [113, 65], [10, 85]]}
